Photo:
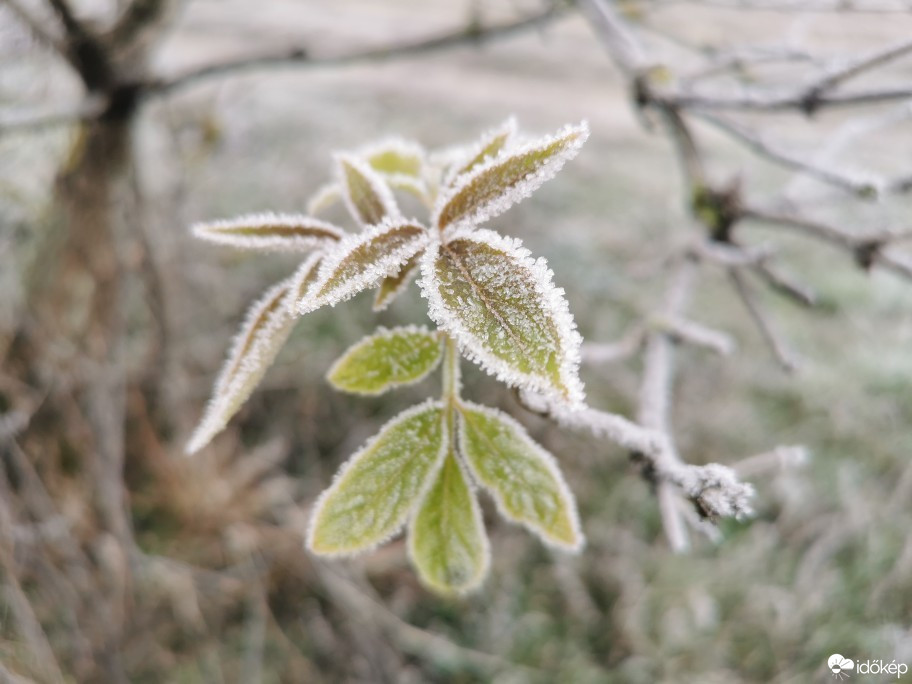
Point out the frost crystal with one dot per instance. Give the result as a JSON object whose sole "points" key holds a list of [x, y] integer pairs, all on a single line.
{"points": [[359, 261], [488, 146], [269, 232], [265, 329], [394, 285], [494, 186], [504, 311]]}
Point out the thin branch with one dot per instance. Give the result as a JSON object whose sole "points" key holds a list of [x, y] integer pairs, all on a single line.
{"points": [[780, 350], [621, 350], [859, 66], [866, 188], [780, 458], [299, 57], [684, 330]]}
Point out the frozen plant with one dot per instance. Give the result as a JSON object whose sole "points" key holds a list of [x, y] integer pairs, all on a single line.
{"points": [[492, 302]]}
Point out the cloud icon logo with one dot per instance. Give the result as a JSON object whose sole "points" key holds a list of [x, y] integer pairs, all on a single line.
{"points": [[839, 665]]}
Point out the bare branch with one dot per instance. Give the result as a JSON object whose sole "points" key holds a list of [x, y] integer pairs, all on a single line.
{"points": [[780, 350], [299, 57], [696, 334], [867, 188]]}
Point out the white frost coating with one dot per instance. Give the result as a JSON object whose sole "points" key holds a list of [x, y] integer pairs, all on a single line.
{"points": [[554, 306], [381, 304], [435, 404], [549, 463], [378, 186], [515, 194], [714, 486], [462, 156], [301, 282], [266, 327], [269, 231], [477, 520], [336, 261], [323, 198]]}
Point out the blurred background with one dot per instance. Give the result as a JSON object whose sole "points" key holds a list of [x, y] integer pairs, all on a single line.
{"points": [[122, 560]]}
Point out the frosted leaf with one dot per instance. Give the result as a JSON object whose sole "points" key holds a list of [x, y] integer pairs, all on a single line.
{"points": [[494, 186], [446, 540], [522, 477], [394, 156], [366, 194], [269, 232], [301, 282], [265, 329], [394, 285], [504, 312], [488, 146], [358, 262], [324, 197], [377, 489], [387, 359]]}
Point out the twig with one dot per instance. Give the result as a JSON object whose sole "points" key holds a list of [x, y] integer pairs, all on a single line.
{"points": [[779, 458], [299, 57], [696, 334], [780, 350], [621, 350], [868, 188], [857, 67]]}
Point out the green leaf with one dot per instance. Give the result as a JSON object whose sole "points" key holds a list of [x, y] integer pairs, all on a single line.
{"points": [[265, 329], [447, 541], [395, 156], [492, 187], [388, 359], [505, 313], [269, 232], [376, 490], [366, 194], [394, 285], [360, 261], [522, 477]]}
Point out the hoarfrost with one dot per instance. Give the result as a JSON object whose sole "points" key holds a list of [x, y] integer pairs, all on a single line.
{"points": [[269, 231], [265, 329], [503, 310], [359, 261], [494, 186]]}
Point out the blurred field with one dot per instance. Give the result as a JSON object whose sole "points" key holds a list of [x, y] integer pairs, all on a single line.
{"points": [[826, 565]]}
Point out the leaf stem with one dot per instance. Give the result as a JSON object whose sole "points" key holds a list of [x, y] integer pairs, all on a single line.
{"points": [[452, 384], [452, 377]]}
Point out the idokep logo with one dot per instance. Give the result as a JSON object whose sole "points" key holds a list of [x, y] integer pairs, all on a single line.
{"points": [[842, 667]]}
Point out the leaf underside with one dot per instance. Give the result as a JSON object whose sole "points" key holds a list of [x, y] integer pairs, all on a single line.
{"points": [[377, 489], [270, 232], [521, 476], [447, 540], [265, 330], [360, 261], [504, 312], [393, 285], [385, 360]]}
